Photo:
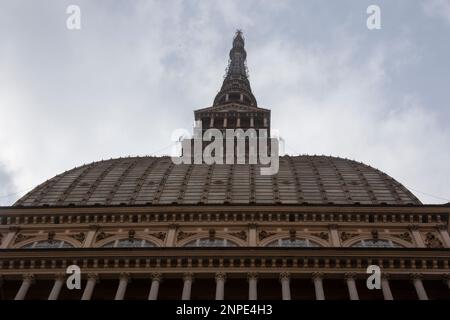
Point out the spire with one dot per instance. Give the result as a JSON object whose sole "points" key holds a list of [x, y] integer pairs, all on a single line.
{"points": [[236, 87]]}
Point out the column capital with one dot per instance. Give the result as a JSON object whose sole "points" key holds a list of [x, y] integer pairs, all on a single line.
{"points": [[285, 276], [188, 276], [317, 275], [253, 225], [14, 228], [441, 227], [333, 226], [413, 227], [29, 277], [174, 226], [252, 276], [385, 275], [124, 276], [60, 276], [221, 276], [446, 277], [93, 276], [156, 276], [94, 227], [350, 276], [416, 276]]}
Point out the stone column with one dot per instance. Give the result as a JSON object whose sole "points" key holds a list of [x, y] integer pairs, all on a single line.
{"points": [[220, 285], [28, 279], [171, 235], [285, 278], [444, 235], [351, 284], [57, 286], [417, 281], [211, 122], [447, 279], [252, 286], [90, 285], [90, 237], [252, 121], [385, 288], [414, 228], [334, 235], [252, 234], [122, 288], [188, 278], [318, 285], [238, 121], [156, 279], [8, 240], [225, 122]]}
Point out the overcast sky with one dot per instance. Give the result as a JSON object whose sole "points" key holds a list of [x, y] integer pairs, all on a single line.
{"points": [[137, 69]]}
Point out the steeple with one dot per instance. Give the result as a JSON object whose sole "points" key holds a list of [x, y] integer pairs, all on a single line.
{"points": [[236, 87]]}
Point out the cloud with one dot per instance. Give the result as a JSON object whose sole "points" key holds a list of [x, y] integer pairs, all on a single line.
{"points": [[7, 188], [437, 8]]}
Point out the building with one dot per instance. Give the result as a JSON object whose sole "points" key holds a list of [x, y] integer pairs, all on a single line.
{"points": [[145, 228]]}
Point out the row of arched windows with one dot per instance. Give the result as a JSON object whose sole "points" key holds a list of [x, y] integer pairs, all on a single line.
{"points": [[207, 242]]}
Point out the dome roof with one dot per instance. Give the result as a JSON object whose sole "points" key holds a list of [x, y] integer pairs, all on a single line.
{"points": [[156, 180]]}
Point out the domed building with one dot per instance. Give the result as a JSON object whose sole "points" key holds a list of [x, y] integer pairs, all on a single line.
{"points": [[147, 228]]}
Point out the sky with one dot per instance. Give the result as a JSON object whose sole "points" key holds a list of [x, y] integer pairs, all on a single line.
{"points": [[136, 70]]}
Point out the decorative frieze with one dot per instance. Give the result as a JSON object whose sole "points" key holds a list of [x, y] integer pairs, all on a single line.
{"points": [[322, 235], [263, 234], [240, 234], [158, 235], [432, 240], [348, 235], [183, 235], [22, 237], [80, 236], [102, 235], [406, 236]]}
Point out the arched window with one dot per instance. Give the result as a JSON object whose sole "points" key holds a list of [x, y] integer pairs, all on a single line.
{"points": [[293, 243], [129, 243], [48, 244], [376, 243], [207, 242]]}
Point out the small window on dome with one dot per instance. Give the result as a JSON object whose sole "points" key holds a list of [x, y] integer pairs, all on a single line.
{"points": [[129, 243], [293, 243], [376, 243], [206, 242], [48, 244]]}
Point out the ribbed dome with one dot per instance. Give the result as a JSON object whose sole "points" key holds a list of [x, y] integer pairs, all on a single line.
{"points": [[156, 180]]}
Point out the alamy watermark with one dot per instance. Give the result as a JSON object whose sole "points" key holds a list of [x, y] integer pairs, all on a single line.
{"points": [[252, 146]]}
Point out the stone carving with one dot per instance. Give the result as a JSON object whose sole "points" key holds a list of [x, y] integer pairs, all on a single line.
{"points": [[404, 236], [374, 234], [158, 235], [183, 235], [221, 276], [102, 235], [292, 234], [241, 235], [263, 234], [79, 236], [322, 235], [21, 237], [51, 236], [212, 234], [347, 235], [432, 241], [131, 234]]}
